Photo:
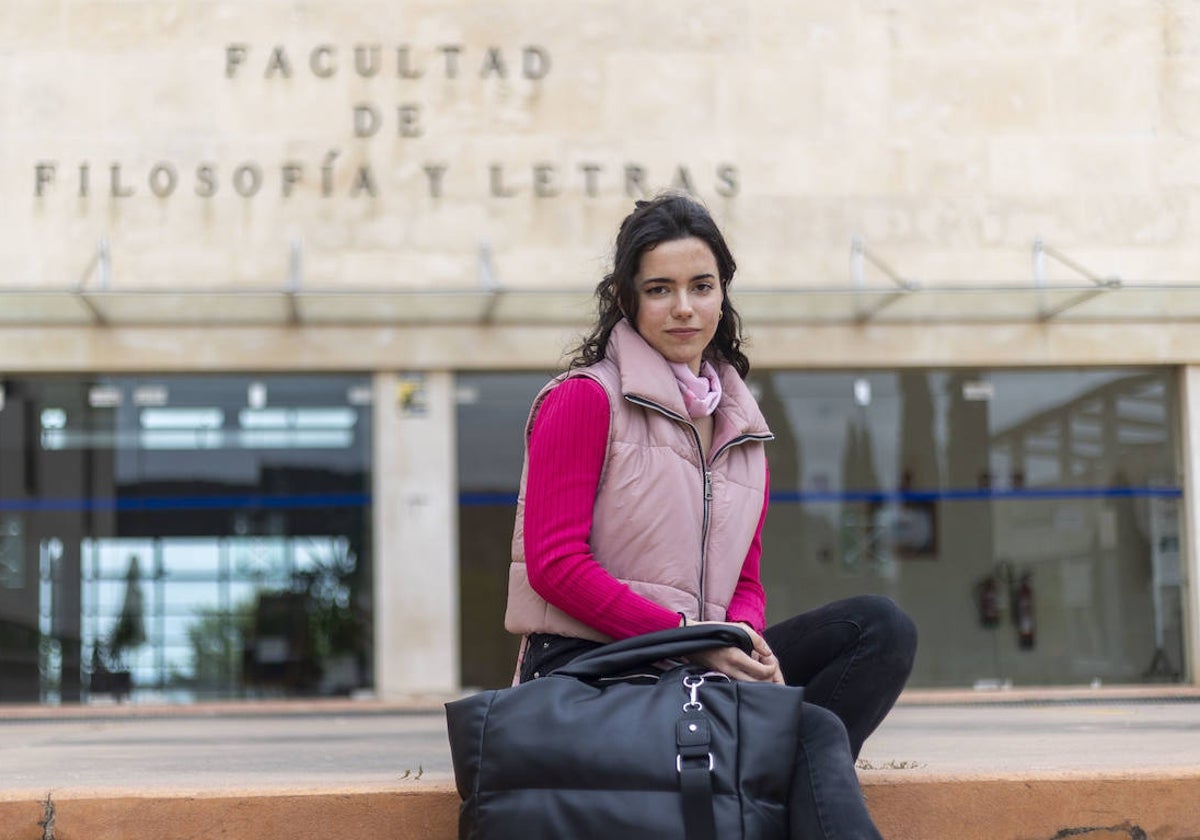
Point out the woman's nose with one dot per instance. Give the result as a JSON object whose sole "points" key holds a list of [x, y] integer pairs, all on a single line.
{"points": [[682, 304]]}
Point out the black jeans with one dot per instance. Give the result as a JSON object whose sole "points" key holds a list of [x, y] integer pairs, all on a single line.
{"points": [[853, 658]]}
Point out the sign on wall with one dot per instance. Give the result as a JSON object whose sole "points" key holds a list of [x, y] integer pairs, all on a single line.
{"points": [[345, 171]]}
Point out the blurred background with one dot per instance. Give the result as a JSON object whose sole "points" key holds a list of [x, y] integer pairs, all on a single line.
{"points": [[278, 281]]}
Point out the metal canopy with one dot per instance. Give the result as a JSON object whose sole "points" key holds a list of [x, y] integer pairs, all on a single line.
{"points": [[895, 300], [972, 305], [800, 306]]}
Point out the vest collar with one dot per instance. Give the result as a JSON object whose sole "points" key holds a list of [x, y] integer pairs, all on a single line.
{"points": [[646, 375]]}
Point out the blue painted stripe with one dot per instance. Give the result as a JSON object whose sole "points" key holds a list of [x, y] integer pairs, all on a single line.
{"points": [[952, 495], [176, 503], [342, 500], [910, 496], [486, 499]]}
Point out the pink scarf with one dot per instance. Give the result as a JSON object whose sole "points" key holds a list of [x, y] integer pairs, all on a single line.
{"points": [[700, 393]]}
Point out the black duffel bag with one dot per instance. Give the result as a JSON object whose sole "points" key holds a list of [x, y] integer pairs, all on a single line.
{"points": [[615, 745]]}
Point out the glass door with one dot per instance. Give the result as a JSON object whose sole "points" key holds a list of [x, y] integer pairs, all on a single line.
{"points": [[179, 538], [1027, 520]]}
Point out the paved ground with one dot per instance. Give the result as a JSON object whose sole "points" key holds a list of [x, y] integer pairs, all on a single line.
{"points": [[1042, 738], [370, 744]]}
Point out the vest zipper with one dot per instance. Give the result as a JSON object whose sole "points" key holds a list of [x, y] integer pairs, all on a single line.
{"points": [[740, 439], [708, 495], [706, 474], [706, 478]]}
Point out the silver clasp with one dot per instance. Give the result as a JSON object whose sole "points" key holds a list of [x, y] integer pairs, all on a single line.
{"points": [[693, 682]]}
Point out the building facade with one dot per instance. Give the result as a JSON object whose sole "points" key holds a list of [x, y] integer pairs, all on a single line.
{"points": [[279, 279]]}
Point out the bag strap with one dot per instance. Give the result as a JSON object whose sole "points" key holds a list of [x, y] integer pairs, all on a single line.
{"points": [[642, 651], [693, 733], [694, 761]]}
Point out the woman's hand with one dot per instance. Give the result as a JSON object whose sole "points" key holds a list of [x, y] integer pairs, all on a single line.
{"points": [[758, 666]]}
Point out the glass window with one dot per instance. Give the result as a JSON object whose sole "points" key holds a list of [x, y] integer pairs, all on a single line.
{"points": [[190, 536], [1027, 520], [492, 410]]}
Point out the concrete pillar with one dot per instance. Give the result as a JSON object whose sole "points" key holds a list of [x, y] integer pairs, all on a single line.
{"points": [[416, 534], [1189, 387]]}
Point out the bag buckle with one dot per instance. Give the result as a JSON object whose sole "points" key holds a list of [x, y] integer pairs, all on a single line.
{"points": [[692, 734], [679, 763], [693, 682]]}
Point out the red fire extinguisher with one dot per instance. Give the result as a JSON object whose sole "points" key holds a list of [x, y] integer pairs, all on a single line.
{"points": [[1026, 625], [989, 601]]}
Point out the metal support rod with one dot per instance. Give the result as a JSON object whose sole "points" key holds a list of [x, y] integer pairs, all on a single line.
{"points": [[293, 281], [1103, 284], [489, 309], [293, 308], [101, 263], [488, 282], [1039, 263], [487, 272], [1040, 248], [856, 261], [1082, 297], [98, 317], [104, 265], [295, 265], [860, 252], [864, 314]]}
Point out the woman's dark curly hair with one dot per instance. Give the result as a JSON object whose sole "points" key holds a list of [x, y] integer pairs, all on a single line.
{"points": [[665, 218]]}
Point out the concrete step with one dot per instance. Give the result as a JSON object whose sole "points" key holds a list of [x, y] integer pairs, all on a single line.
{"points": [[426, 811], [1041, 765], [1089, 807]]}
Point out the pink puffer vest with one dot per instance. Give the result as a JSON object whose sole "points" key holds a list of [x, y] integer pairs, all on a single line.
{"points": [[664, 524]]}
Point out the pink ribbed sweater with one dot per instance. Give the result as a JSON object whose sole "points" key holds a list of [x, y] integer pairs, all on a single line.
{"points": [[566, 454]]}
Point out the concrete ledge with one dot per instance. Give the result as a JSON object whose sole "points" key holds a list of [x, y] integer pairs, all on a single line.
{"points": [[1128, 806], [1147, 806], [421, 812]]}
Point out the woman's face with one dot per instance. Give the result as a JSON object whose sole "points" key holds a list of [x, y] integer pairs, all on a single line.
{"points": [[679, 299]]}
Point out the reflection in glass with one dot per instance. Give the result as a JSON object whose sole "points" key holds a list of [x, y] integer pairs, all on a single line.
{"points": [[185, 544], [12, 552], [492, 410], [1028, 520], [218, 614]]}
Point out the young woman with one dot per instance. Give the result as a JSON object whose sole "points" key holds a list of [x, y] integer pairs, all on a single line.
{"points": [[642, 503]]}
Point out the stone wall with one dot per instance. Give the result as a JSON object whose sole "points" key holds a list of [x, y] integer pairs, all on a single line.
{"points": [[391, 141]]}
